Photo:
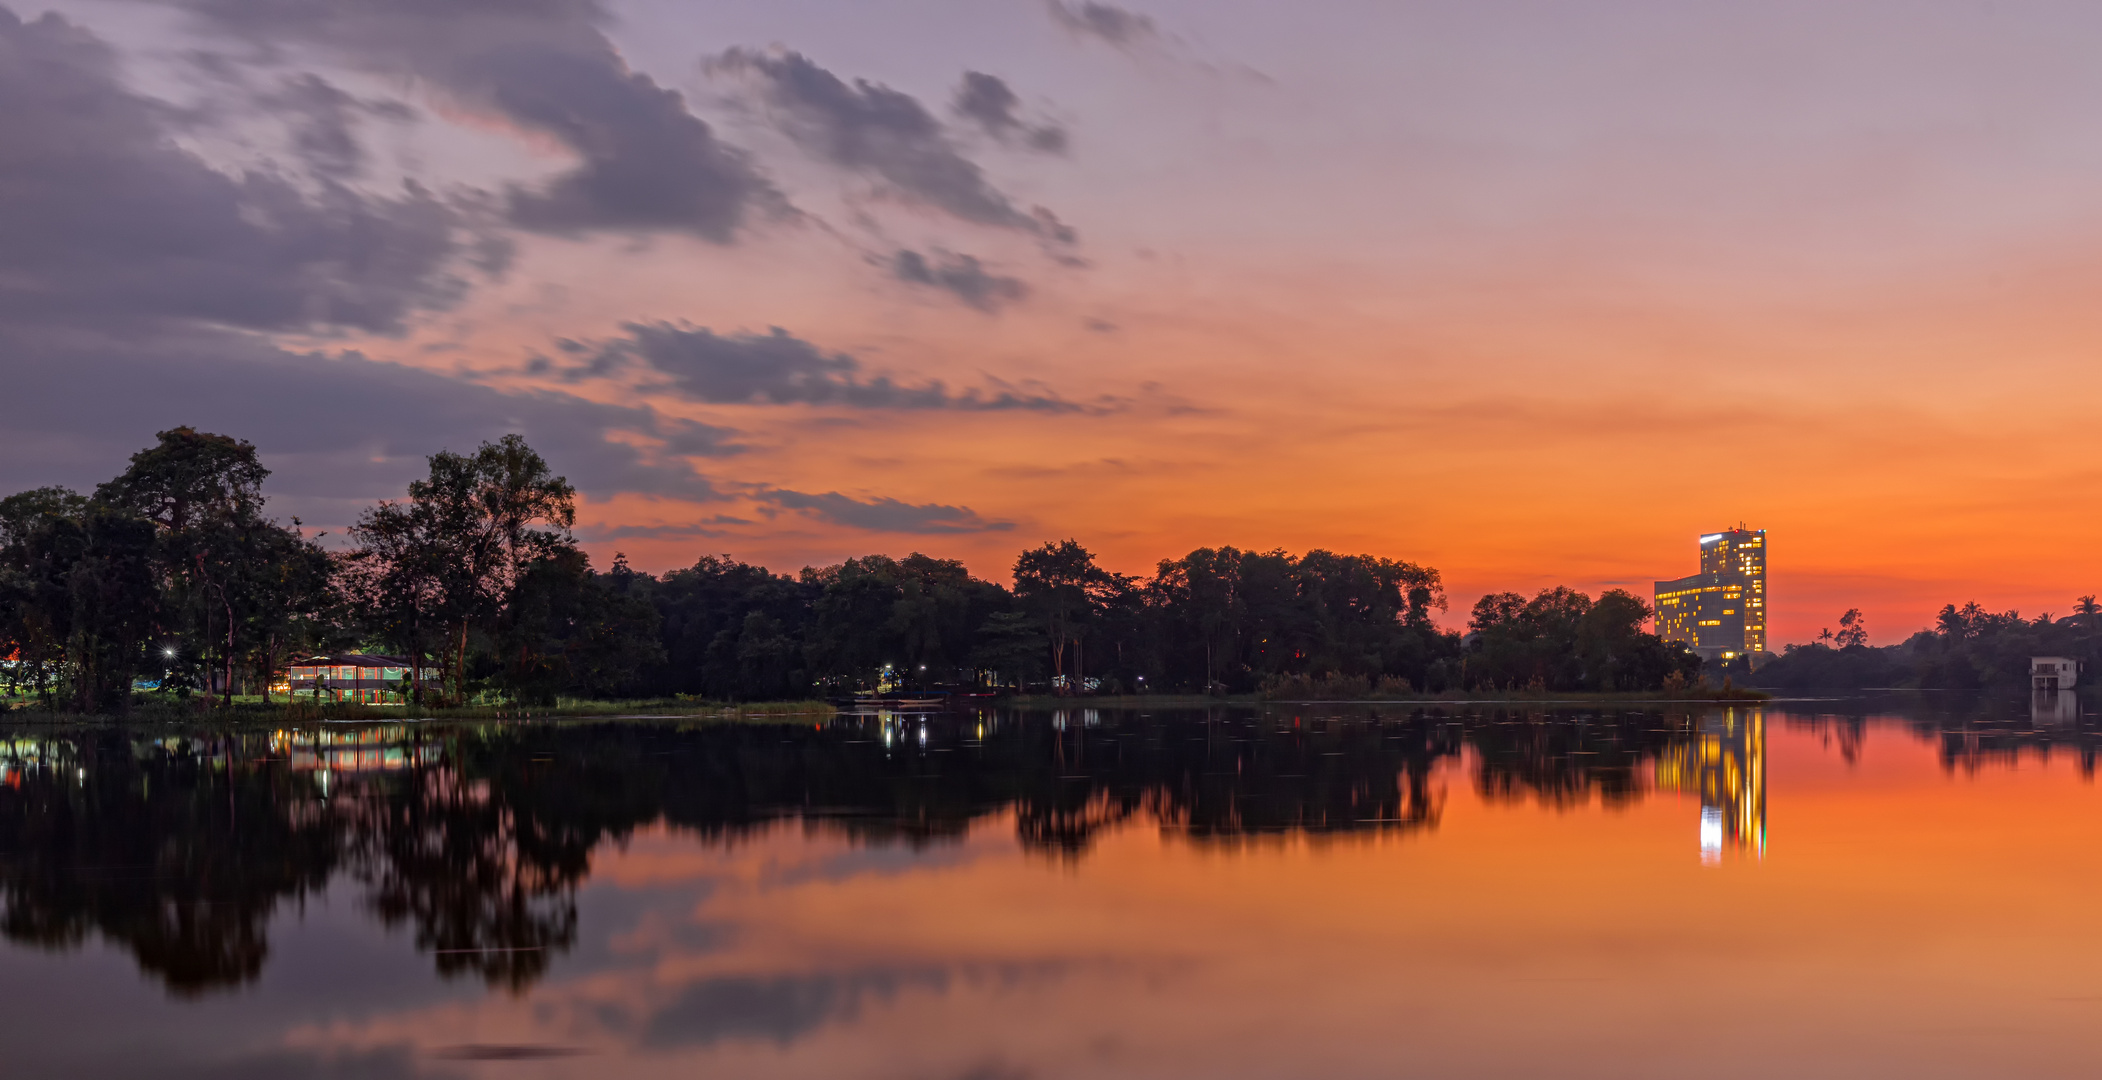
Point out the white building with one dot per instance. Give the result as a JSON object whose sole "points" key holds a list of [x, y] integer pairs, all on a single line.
{"points": [[2052, 673]]}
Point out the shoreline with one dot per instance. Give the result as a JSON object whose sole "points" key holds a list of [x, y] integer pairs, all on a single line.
{"points": [[258, 713], [1572, 698]]}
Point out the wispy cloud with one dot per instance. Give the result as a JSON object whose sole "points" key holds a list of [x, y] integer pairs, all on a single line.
{"points": [[882, 514], [961, 276], [987, 102], [1106, 22], [872, 129], [778, 368]]}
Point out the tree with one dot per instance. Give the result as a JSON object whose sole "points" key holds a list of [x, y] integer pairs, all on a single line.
{"points": [[1199, 597], [916, 614], [455, 551], [234, 583], [1009, 645], [189, 476], [1853, 630], [202, 491], [1562, 639], [108, 577], [34, 606], [566, 627], [391, 582], [705, 613], [1614, 653], [79, 596], [1059, 582], [1521, 642]]}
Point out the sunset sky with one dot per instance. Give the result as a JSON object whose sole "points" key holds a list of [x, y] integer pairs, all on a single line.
{"points": [[1534, 293]]}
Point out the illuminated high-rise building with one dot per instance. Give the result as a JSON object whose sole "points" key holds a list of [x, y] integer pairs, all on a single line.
{"points": [[1706, 611], [1721, 611], [1742, 551]]}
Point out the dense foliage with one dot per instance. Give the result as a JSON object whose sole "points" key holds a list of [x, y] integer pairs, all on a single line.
{"points": [[1969, 648], [1563, 640], [170, 573]]}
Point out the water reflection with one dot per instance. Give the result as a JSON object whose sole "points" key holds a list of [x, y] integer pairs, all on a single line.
{"points": [[1973, 732], [1724, 764], [476, 838], [2054, 708]]}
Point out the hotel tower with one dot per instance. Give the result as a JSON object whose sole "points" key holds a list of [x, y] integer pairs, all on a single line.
{"points": [[1721, 611]]}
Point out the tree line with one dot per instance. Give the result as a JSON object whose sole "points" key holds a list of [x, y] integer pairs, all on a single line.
{"points": [[1967, 648], [172, 572]]}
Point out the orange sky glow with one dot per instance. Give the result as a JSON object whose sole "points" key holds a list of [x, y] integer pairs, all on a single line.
{"points": [[1530, 298]]}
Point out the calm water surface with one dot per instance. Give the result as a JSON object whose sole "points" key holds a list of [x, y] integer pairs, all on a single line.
{"points": [[1842, 888]]}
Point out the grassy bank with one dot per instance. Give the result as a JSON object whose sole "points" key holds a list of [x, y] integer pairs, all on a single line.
{"points": [[156, 709], [150, 709], [1456, 697], [1127, 701]]}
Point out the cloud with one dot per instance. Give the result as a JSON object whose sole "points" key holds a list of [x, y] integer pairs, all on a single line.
{"points": [[323, 120], [104, 218], [135, 281], [786, 1007], [869, 128], [647, 163], [77, 1054], [960, 275], [778, 1008], [336, 429], [693, 531], [988, 102], [1108, 22], [777, 368], [885, 514]]}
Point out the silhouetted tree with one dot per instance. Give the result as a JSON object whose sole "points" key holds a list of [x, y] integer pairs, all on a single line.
{"points": [[1060, 583], [464, 539]]}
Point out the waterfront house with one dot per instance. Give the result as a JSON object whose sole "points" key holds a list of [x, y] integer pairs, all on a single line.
{"points": [[2052, 673], [356, 677]]}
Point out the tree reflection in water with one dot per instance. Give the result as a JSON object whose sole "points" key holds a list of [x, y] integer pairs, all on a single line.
{"points": [[476, 838], [158, 846]]}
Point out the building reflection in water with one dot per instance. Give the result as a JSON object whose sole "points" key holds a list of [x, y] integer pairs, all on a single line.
{"points": [[2054, 708], [1725, 765]]}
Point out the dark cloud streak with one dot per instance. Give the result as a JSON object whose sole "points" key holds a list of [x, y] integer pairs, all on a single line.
{"points": [[341, 427], [1107, 22], [988, 102], [962, 276], [778, 368], [885, 514], [873, 129]]}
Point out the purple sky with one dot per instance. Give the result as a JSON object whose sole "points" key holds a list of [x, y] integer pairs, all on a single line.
{"points": [[1534, 292]]}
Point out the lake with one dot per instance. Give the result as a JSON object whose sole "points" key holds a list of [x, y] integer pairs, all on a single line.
{"points": [[1904, 886]]}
